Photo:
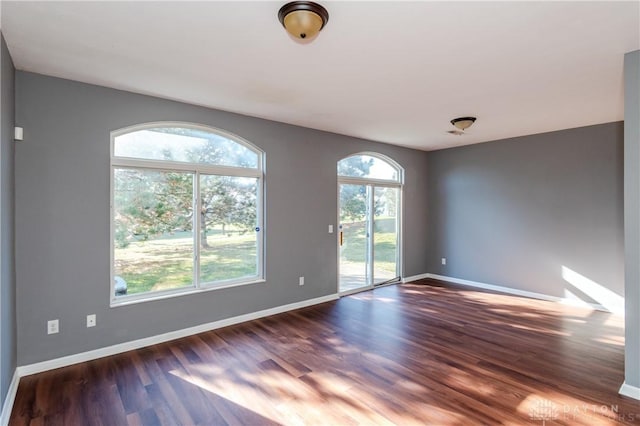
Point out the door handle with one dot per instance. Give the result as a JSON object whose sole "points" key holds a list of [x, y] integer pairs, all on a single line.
{"points": [[341, 238]]}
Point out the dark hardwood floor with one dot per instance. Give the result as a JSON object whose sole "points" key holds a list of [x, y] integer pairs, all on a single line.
{"points": [[420, 353]]}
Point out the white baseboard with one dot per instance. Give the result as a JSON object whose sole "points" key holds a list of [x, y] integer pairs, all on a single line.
{"points": [[8, 401], [415, 278], [39, 367], [630, 391], [524, 293]]}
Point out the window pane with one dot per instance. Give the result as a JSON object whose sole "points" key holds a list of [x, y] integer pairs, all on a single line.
{"points": [[229, 240], [184, 145], [153, 233], [366, 166], [354, 236], [385, 234]]}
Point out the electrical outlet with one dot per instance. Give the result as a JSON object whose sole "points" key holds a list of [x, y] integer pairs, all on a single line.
{"points": [[91, 320], [53, 326], [444, 260], [301, 282]]}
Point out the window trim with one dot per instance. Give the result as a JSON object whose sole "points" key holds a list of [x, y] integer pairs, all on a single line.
{"points": [[196, 169]]}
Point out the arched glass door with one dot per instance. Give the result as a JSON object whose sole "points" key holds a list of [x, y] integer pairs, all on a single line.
{"points": [[369, 202]]}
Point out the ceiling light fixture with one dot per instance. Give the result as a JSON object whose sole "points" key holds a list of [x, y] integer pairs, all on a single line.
{"points": [[461, 124], [303, 19]]}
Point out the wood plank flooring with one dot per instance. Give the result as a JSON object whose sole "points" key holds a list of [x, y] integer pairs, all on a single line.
{"points": [[419, 353]]}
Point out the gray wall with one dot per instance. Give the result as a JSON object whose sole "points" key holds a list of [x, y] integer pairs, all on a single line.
{"points": [[62, 216], [514, 212], [7, 270], [632, 216]]}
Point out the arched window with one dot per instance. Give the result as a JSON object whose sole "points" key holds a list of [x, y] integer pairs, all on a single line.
{"points": [[370, 204], [186, 210], [370, 166]]}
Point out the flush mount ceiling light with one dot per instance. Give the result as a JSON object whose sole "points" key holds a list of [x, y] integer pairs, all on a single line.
{"points": [[303, 19], [461, 124]]}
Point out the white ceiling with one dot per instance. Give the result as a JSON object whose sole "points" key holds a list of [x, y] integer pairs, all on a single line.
{"points": [[394, 72]]}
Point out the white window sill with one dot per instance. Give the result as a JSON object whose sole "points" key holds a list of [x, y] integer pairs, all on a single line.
{"points": [[149, 297]]}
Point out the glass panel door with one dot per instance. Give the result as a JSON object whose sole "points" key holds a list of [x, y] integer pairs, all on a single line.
{"points": [[354, 237], [385, 234]]}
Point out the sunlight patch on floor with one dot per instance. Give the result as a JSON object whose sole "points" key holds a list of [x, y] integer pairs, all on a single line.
{"points": [[385, 300], [271, 394], [572, 299], [602, 295], [227, 389], [611, 340], [543, 330], [459, 379]]}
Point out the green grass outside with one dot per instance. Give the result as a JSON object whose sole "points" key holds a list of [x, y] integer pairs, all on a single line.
{"points": [[167, 263], [384, 247]]}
